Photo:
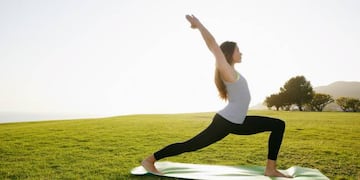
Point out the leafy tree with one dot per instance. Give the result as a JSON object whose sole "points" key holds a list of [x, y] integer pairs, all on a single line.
{"points": [[298, 91], [354, 104], [342, 102], [279, 100], [274, 100], [319, 101], [348, 104]]}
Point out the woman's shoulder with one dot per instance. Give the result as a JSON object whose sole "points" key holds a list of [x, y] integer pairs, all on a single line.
{"points": [[237, 77]]}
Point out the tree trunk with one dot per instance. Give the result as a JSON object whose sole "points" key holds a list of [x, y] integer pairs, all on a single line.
{"points": [[300, 107]]}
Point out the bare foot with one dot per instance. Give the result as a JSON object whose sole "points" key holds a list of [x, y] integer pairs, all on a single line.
{"points": [[275, 173], [148, 164], [271, 171]]}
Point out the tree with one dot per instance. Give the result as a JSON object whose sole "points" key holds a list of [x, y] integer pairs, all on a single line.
{"points": [[342, 102], [274, 100], [279, 100], [319, 101], [348, 104], [298, 91], [354, 104]]}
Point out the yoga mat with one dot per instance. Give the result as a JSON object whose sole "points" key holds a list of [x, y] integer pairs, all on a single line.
{"points": [[210, 172]]}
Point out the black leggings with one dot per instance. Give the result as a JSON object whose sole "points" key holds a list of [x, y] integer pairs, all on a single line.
{"points": [[220, 128]]}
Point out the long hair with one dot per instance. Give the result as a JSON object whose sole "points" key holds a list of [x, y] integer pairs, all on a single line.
{"points": [[227, 49]]}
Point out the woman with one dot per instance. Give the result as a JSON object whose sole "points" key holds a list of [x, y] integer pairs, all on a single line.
{"points": [[233, 87]]}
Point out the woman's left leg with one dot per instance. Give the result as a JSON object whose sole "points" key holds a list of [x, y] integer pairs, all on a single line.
{"points": [[257, 124]]}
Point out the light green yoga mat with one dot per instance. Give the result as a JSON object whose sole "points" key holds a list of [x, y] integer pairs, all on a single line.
{"points": [[210, 172]]}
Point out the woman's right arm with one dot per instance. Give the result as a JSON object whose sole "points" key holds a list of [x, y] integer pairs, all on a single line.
{"points": [[227, 72]]}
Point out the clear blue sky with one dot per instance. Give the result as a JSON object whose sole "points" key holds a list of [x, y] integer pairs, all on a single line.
{"points": [[139, 56]]}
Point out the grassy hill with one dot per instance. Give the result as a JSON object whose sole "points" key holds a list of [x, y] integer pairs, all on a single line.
{"points": [[108, 148]]}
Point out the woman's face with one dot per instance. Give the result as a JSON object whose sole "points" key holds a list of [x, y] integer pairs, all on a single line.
{"points": [[236, 55]]}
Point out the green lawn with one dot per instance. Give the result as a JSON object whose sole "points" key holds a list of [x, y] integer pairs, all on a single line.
{"points": [[108, 148]]}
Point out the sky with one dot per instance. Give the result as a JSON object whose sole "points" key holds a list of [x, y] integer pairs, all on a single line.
{"points": [[114, 57]]}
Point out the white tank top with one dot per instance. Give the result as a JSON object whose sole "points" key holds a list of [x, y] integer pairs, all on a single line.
{"points": [[238, 101]]}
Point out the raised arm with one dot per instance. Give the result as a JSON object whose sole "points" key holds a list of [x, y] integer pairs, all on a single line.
{"points": [[226, 70]]}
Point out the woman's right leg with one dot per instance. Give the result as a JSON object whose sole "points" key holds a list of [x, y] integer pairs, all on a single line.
{"points": [[217, 130]]}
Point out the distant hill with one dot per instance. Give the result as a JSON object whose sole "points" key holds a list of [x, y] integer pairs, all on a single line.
{"points": [[340, 88], [336, 90]]}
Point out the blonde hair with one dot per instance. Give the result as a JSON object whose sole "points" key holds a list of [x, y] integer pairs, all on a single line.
{"points": [[227, 49]]}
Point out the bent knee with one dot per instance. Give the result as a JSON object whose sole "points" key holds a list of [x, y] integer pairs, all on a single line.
{"points": [[280, 124]]}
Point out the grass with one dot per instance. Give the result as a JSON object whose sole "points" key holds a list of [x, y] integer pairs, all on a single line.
{"points": [[108, 148]]}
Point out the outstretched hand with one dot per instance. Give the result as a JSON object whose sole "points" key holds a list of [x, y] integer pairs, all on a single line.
{"points": [[195, 23]]}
